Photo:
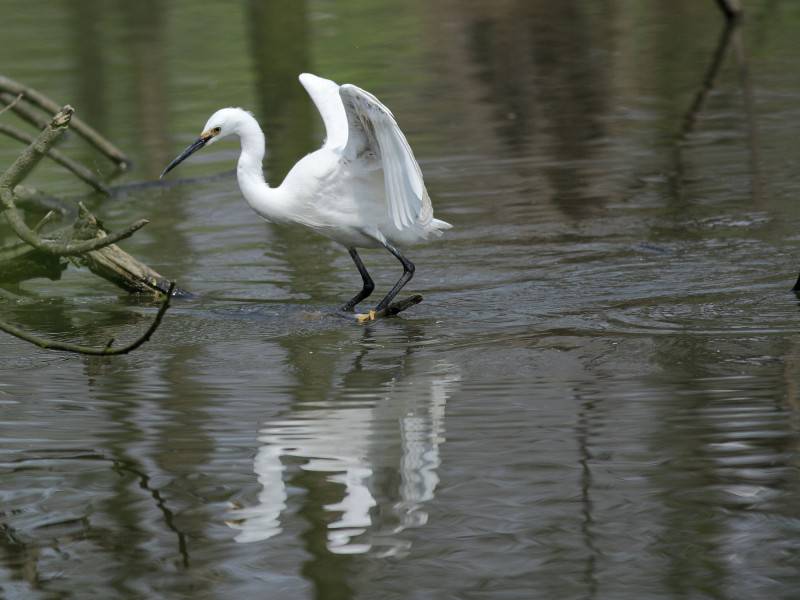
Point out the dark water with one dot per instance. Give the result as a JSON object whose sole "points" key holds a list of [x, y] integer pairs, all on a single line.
{"points": [[598, 397]]}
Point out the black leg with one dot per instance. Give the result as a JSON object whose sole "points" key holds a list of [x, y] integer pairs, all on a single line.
{"points": [[408, 273], [368, 284]]}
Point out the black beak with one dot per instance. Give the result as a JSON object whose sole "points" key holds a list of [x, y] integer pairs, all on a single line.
{"points": [[195, 146]]}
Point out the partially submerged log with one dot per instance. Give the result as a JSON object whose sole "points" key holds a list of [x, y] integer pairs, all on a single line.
{"points": [[113, 264]]}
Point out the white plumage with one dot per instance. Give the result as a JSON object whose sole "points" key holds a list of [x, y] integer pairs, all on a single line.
{"points": [[362, 188]]}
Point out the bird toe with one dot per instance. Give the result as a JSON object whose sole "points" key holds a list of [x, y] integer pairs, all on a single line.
{"points": [[363, 318]]}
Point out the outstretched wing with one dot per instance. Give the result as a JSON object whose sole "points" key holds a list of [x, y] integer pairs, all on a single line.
{"points": [[325, 94], [373, 130]]}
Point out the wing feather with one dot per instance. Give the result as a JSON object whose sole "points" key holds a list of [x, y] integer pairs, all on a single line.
{"points": [[372, 129], [325, 95]]}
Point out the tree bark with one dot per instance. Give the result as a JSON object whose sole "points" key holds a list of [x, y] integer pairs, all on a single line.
{"points": [[113, 264]]}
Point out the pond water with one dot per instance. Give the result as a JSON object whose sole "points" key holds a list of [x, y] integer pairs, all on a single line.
{"points": [[598, 397]]}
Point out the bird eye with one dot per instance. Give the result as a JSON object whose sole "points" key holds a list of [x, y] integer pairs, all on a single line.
{"points": [[216, 130]]}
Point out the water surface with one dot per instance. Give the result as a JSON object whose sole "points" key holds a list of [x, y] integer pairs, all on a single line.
{"points": [[598, 397]]}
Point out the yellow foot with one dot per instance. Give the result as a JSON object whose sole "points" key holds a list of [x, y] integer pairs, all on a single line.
{"points": [[363, 318]]}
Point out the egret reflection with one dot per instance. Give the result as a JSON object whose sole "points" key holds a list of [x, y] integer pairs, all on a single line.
{"points": [[350, 439]]}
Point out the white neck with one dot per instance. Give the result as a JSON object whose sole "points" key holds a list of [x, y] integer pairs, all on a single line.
{"points": [[263, 199]]}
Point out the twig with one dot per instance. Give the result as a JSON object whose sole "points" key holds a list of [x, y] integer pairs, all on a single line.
{"points": [[85, 131], [22, 110], [106, 350], [28, 198], [78, 169], [44, 221], [393, 309], [23, 165], [11, 104]]}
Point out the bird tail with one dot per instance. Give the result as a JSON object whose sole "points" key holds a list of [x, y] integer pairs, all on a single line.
{"points": [[437, 226]]}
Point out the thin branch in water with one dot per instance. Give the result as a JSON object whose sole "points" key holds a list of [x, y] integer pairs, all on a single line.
{"points": [[25, 112], [75, 167], [20, 168], [88, 133], [44, 221], [11, 104], [393, 309], [106, 350]]}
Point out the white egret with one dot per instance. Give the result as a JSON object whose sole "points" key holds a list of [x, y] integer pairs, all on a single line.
{"points": [[363, 188]]}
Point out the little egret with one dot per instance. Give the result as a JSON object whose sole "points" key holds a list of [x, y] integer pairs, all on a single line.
{"points": [[363, 188]]}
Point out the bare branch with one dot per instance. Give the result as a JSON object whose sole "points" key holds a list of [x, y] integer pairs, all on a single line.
{"points": [[393, 309], [106, 350], [26, 234], [23, 165], [37, 98], [11, 104], [25, 112], [44, 221], [78, 169]]}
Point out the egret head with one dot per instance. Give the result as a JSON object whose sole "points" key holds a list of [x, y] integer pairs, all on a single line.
{"points": [[224, 122]]}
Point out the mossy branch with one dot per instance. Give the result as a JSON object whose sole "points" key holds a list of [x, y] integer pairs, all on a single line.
{"points": [[20, 168]]}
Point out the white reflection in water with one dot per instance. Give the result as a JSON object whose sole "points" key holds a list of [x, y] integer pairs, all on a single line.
{"points": [[399, 427]]}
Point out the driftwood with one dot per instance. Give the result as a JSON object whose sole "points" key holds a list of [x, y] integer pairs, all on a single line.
{"points": [[85, 242], [12, 89], [114, 264]]}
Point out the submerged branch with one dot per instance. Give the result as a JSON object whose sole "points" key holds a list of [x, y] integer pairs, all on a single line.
{"points": [[106, 350], [393, 309], [42, 101]]}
